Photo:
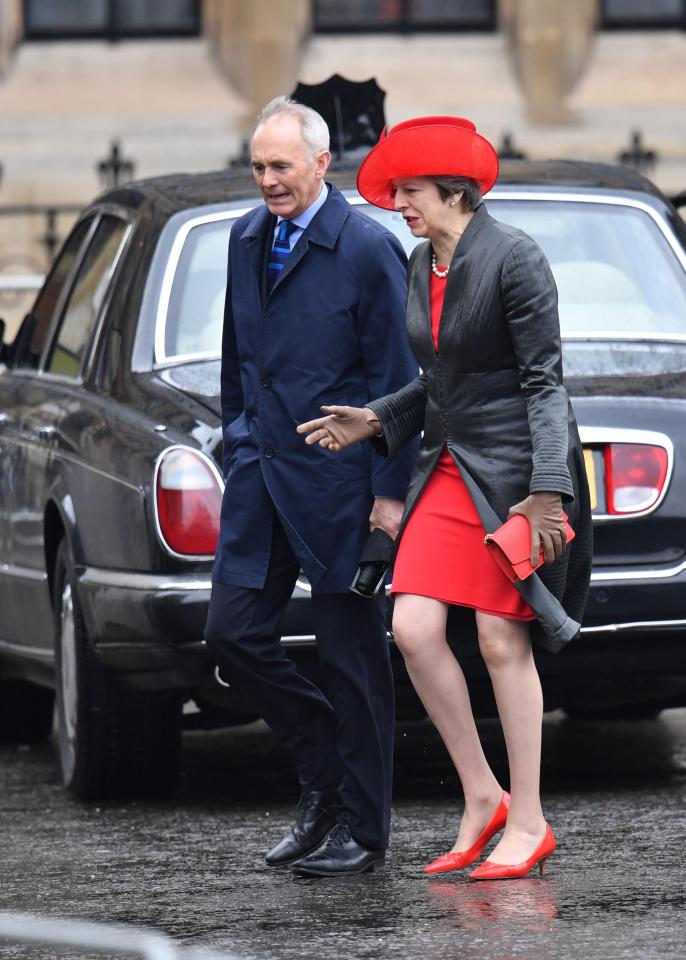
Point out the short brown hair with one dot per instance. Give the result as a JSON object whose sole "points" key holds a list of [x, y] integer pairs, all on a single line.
{"points": [[449, 186]]}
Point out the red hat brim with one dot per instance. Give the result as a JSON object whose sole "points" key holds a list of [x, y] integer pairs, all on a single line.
{"points": [[425, 147]]}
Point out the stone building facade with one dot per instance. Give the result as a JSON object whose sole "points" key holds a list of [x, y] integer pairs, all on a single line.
{"points": [[182, 96]]}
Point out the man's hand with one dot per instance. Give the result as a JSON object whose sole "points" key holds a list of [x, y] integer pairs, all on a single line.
{"points": [[387, 514], [544, 513], [343, 427]]}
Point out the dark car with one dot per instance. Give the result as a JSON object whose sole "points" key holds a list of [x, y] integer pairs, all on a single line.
{"points": [[110, 445]]}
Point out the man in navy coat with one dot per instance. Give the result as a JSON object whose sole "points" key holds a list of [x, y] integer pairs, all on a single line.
{"points": [[315, 315]]}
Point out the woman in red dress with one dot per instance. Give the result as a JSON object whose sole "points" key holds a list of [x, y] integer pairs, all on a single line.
{"points": [[499, 438]]}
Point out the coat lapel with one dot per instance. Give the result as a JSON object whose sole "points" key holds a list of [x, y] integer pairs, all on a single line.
{"points": [[323, 230], [419, 311], [256, 238], [453, 301], [294, 258]]}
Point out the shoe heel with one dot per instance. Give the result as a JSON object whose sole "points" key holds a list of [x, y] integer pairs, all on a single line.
{"points": [[541, 865]]}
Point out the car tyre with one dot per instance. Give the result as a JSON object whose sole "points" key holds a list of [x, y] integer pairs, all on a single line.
{"points": [[112, 741], [26, 712]]}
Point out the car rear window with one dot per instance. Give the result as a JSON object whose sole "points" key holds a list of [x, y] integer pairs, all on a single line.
{"points": [[615, 271], [196, 305], [616, 274]]}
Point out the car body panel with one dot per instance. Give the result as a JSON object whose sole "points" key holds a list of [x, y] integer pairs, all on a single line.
{"points": [[79, 457]]}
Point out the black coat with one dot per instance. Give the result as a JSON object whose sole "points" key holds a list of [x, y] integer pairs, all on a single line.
{"points": [[494, 394]]}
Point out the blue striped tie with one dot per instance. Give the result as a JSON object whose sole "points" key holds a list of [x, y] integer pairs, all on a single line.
{"points": [[279, 252]]}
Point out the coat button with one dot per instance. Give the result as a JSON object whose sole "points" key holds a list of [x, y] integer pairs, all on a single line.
{"points": [[267, 382], [270, 453]]}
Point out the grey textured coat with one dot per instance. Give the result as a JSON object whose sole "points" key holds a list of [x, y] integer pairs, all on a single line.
{"points": [[494, 394]]}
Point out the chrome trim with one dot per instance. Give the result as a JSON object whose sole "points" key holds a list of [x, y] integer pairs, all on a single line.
{"points": [[23, 573], [293, 638], [98, 576], [22, 282], [298, 638], [51, 377], [181, 359], [33, 653], [128, 580], [616, 575], [307, 587], [584, 336], [218, 679], [158, 529], [597, 436], [635, 626], [168, 280]]}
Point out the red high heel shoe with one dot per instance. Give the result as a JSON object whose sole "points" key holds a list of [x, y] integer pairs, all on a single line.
{"points": [[509, 871], [462, 858]]}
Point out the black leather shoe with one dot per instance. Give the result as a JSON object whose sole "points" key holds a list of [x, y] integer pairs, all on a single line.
{"points": [[317, 811], [339, 855]]}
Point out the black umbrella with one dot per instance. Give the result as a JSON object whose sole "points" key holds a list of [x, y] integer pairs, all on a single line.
{"points": [[352, 109]]}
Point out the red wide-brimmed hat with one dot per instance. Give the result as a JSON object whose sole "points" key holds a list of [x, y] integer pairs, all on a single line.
{"points": [[425, 147]]}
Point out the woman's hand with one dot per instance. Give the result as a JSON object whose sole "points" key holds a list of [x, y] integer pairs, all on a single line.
{"points": [[341, 428], [547, 524]]}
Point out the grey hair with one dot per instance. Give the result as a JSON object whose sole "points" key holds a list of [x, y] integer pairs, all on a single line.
{"points": [[315, 132], [449, 186]]}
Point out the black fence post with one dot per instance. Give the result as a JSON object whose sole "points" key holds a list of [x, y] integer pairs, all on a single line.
{"points": [[114, 167], [637, 156], [50, 238], [507, 149]]}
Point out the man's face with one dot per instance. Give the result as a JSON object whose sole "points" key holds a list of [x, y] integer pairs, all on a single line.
{"points": [[288, 176]]}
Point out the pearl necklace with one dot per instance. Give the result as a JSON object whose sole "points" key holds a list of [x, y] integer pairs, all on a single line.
{"points": [[442, 274]]}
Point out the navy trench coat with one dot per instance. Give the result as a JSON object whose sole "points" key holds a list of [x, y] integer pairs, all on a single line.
{"points": [[332, 331]]}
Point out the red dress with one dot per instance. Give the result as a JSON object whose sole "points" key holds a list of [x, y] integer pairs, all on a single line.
{"points": [[442, 552]]}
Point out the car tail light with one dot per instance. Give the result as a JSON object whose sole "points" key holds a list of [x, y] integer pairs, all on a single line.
{"points": [[188, 496], [635, 475]]}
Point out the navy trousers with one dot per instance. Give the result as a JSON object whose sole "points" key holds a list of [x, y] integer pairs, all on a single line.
{"points": [[339, 736]]}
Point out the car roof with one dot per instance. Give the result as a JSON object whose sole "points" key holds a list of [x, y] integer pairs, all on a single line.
{"points": [[575, 173], [164, 196]]}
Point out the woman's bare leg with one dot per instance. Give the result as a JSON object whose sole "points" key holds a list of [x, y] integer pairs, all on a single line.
{"points": [[419, 625], [506, 649]]}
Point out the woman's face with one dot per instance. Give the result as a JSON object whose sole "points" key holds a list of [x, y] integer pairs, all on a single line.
{"points": [[420, 204]]}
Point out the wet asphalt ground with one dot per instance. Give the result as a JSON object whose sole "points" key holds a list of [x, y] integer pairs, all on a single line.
{"points": [[192, 867]]}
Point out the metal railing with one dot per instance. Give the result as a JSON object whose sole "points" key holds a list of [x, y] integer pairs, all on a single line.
{"points": [[17, 287], [23, 928], [49, 212], [21, 282]]}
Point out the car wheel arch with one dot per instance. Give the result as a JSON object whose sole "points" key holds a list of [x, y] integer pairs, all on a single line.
{"points": [[59, 522]]}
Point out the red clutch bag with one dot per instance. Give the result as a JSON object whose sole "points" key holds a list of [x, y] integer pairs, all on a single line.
{"points": [[510, 547]]}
